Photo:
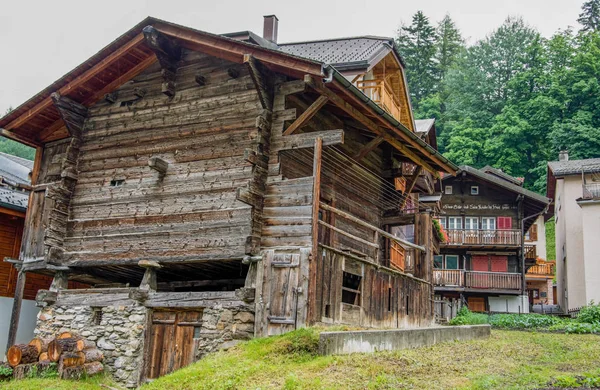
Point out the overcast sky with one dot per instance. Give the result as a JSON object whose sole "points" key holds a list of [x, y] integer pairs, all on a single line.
{"points": [[43, 40]]}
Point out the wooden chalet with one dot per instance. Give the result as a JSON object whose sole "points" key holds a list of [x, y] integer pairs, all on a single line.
{"points": [[200, 176], [485, 257]]}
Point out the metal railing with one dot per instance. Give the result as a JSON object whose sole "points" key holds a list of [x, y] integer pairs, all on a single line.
{"points": [[483, 237]]}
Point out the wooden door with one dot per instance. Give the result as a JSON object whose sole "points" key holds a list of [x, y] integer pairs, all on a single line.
{"points": [[172, 341], [284, 287], [476, 303]]}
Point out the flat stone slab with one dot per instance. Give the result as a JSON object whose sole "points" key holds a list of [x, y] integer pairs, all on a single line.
{"points": [[338, 343]]}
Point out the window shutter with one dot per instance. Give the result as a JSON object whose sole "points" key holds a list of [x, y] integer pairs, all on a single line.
{"points": [[504, 223], [533, 233]]}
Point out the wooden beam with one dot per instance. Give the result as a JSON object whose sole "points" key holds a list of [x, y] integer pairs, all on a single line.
{"points": [[234, 51], [11, 212], [307, 115], [72, 113], [372, 126], [168, 54], [313, 313], [19, 138], [158, 164], [149, 281], [78, 81], [261, 81], [16, 309], [359, 221], [200, 283], [307, 140], [368, 148], [410, 185]]}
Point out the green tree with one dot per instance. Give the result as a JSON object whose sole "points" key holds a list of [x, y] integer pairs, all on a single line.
{"points": [[449, 45], [589, 17], [16, 149], [417, 46]]}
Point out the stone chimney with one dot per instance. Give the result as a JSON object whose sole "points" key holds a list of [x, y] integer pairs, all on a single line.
{"points": [[563, 155], [270, 28]]}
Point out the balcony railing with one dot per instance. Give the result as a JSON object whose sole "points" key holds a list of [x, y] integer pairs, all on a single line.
{"points": [[483, 237], [591, 191], [542, 269], [402, 259], [530, 252], [477, 280], [381, 93]]}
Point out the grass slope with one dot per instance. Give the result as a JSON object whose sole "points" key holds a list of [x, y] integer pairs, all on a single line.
{"points": [[508, 360]]}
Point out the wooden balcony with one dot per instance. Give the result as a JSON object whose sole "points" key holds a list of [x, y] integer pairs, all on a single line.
{"points": [[484, 237], [476, 280], [401, 258], [543, 269], [381, 93]]}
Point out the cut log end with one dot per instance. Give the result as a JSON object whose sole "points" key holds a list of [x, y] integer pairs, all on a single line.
{"points": [[21, 354]]}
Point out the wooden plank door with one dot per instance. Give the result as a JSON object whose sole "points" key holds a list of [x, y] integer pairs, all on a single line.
{"points": [[282, 305], [172, 341], [476, 304]]}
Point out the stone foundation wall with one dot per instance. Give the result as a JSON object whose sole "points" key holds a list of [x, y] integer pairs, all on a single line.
{"points": [[223, 328], [118, 333]]}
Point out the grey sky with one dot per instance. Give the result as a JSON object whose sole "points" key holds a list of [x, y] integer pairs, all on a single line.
{"points": [[42, 40]]}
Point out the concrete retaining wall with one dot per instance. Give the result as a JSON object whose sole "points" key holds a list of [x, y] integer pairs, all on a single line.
{"points": [[333, 343]]}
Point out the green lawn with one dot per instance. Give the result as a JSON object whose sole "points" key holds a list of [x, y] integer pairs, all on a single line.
{"points": [[508, 360]]}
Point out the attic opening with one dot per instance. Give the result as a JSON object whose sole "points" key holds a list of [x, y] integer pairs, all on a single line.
{"points": [[351, 288]]}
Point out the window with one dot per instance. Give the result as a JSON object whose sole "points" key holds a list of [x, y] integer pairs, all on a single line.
{"points": [[448, 190], [351, 288], [197, 332], [488, 223], [438, 262], [471, 223], [474, 190], [451, 262], [535, 293], [116, 182], [454, 222], [96, 315]]}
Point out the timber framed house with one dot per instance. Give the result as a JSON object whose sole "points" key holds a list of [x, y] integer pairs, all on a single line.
{"points": [[484, 259], [217, 187]]}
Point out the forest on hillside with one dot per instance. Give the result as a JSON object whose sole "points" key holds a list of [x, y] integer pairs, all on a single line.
{"points": [[511, 100]]}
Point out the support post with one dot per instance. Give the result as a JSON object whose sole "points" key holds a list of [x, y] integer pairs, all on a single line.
{"points": [[313, 305], [149, 282], [16, 309], [60, 281]]}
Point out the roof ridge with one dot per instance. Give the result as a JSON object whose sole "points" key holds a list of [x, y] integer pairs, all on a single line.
{"points": [[375, 37]]}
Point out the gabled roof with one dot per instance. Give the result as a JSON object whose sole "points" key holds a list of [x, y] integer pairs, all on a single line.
{"points": [[36, 121], [13, 199], [533, 202], [15, 169], [574, 167], [343, 53], [502, 175], [425, 128]]}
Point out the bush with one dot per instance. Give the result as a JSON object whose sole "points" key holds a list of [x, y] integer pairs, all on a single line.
{"points": [[524, 321], [590, 314], [467, 317], [582, 327]]}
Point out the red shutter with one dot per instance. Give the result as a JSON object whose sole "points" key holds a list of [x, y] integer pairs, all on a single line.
{"points": [[504, 223], [479, 263], [499, 263]]}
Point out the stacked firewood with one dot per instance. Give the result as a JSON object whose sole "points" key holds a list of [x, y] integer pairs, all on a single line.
{"points": [[74, 356]]}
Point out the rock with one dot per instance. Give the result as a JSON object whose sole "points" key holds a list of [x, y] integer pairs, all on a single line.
{"points": [[103, 344], [229, 344], [244, 317], [137, 318]]}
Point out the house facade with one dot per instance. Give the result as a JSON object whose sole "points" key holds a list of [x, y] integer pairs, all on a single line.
{"points": [[484, 259], [213, 188], [574, 187], [540, 276]]}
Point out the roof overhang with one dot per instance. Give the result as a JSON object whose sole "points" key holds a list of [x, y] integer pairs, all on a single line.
{"points": [[37, 122]]}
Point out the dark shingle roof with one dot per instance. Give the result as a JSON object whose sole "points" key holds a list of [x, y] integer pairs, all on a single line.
{"points": [[15, 169], [357, 51], [498, 172], [574, 167], [13, 199]]}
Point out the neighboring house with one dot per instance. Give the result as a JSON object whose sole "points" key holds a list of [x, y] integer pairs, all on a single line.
{"points": [[217, 187], [481, 263], [574, 187], [540, 276]]}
